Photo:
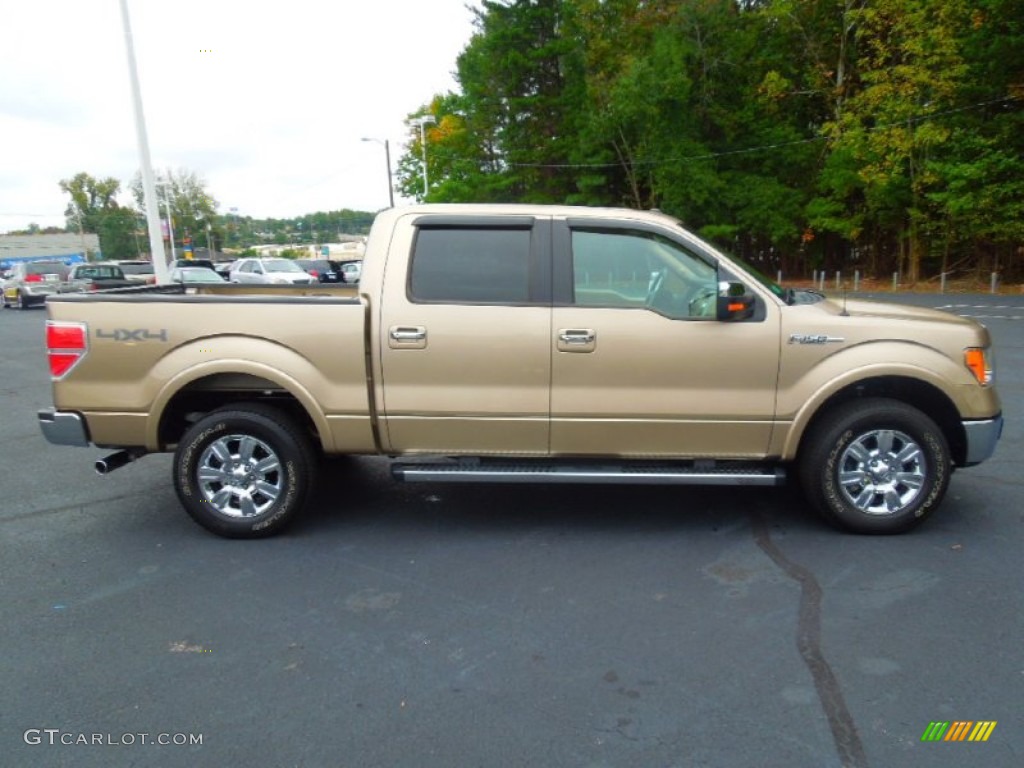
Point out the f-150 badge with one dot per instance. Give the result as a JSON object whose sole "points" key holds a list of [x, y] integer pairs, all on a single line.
{"points": [[807, 338]]}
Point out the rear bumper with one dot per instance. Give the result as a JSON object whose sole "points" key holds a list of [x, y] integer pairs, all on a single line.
{"points": [[982, 437], [63, 427]]}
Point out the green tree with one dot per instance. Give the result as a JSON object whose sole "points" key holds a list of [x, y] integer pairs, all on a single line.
{"points": [[192, 206], [93, 208], [879, 134], [911, 68]]}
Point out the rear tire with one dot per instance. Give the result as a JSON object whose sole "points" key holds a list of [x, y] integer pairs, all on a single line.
{"points": [[875, 466], [244, 471]]}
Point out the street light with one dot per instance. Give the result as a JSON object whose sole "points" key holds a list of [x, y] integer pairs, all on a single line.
{"points": [[387, 159], [422, 121]]}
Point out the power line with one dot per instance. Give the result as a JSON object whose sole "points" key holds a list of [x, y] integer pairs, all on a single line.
{"points": [[752, 150]]}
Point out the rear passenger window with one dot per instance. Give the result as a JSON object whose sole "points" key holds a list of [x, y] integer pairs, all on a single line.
{"points": [[471, 266]]}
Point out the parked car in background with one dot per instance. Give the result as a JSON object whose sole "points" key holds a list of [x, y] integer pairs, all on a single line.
{"points": [[223, 268], [351, 271], [324, 270], [139, 272], [195, 275], [192, 263], [80, 278], [272, 271], [30, 282]]}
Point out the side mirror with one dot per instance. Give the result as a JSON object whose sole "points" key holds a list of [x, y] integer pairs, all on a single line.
{"points": [[733, 302]]}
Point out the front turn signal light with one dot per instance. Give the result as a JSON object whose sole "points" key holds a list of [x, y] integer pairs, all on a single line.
{"points": [[979, 363]]}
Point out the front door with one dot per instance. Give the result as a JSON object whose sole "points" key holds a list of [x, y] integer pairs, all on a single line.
{"points": [[641, 367]]}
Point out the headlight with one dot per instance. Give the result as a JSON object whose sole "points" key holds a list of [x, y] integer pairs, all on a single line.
{"points": [[979, 361]]}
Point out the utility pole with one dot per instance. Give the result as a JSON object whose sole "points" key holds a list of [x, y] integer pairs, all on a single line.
{"points": [[156, 241]]}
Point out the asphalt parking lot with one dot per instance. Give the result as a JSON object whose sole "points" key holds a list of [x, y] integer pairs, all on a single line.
{"points": [[437, 625]]}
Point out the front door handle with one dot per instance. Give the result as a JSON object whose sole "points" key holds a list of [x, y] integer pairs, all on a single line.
{"points": [[577, 340], [408, 334], [577, 337], [407, 337]]}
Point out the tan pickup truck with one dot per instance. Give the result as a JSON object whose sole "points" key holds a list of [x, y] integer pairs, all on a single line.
{"points": [[527, 344]]}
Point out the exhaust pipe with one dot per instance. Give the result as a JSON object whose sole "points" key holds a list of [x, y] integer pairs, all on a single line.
{"points": [[116, 460]]}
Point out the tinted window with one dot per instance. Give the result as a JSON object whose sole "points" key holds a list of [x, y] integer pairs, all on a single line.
{"points": [[463, 265], [641, 270]]}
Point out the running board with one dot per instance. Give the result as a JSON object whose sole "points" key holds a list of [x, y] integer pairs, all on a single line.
{"points": [[646, 473]]}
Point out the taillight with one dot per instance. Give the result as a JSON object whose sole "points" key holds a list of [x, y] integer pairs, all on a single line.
{"points": [[66, 345], [33, 278], [151, 280], [314, 273]]}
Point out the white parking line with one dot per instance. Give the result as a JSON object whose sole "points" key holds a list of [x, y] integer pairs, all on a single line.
{"points": [[986, 308]]}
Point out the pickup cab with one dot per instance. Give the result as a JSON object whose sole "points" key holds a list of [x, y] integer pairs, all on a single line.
{"points": [[81, 278], [539, 344]]}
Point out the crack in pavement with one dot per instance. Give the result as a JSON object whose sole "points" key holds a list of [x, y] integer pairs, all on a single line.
{"points": [[808, 643]]}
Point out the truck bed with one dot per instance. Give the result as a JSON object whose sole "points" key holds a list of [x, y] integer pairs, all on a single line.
{"points": [[146, 357]]}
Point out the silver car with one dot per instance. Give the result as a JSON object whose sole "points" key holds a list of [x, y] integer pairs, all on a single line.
{"points": [[195, 275], [30, 282], [273, 271]]}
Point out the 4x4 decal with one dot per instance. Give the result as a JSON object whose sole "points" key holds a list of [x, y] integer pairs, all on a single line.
{"points": [[136, 334]]}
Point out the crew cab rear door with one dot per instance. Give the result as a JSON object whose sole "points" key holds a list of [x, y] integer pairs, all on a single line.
{"points": [[464, 336], [641, 366]]}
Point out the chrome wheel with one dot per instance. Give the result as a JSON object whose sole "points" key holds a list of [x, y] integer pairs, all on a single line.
{"points": [[881, 472], [240, 476]]}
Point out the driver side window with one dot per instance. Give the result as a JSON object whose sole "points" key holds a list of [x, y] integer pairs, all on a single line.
{"points": [[641, 270]]}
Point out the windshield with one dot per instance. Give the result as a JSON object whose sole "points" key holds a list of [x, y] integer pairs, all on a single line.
{"points": [[762, 278], [281, 265]]}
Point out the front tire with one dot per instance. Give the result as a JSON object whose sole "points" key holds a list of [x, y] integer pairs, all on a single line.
{"points": [[244, 471], [875, 466]]}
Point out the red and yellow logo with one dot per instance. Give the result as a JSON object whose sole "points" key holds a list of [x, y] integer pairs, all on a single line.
{"points": [[959, 730]]}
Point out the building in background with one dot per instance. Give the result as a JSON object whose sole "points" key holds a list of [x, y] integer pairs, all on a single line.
{"points": [[68, 247]]}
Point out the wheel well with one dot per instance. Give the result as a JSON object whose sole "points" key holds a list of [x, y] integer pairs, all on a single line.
{"points": [[201, 396], [926, 398]]}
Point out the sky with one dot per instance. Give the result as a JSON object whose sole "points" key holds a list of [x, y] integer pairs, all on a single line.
{"points": [[267, 100]]}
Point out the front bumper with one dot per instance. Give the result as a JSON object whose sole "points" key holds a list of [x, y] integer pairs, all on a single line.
{"points": [[63, 427], [982, 437]]}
